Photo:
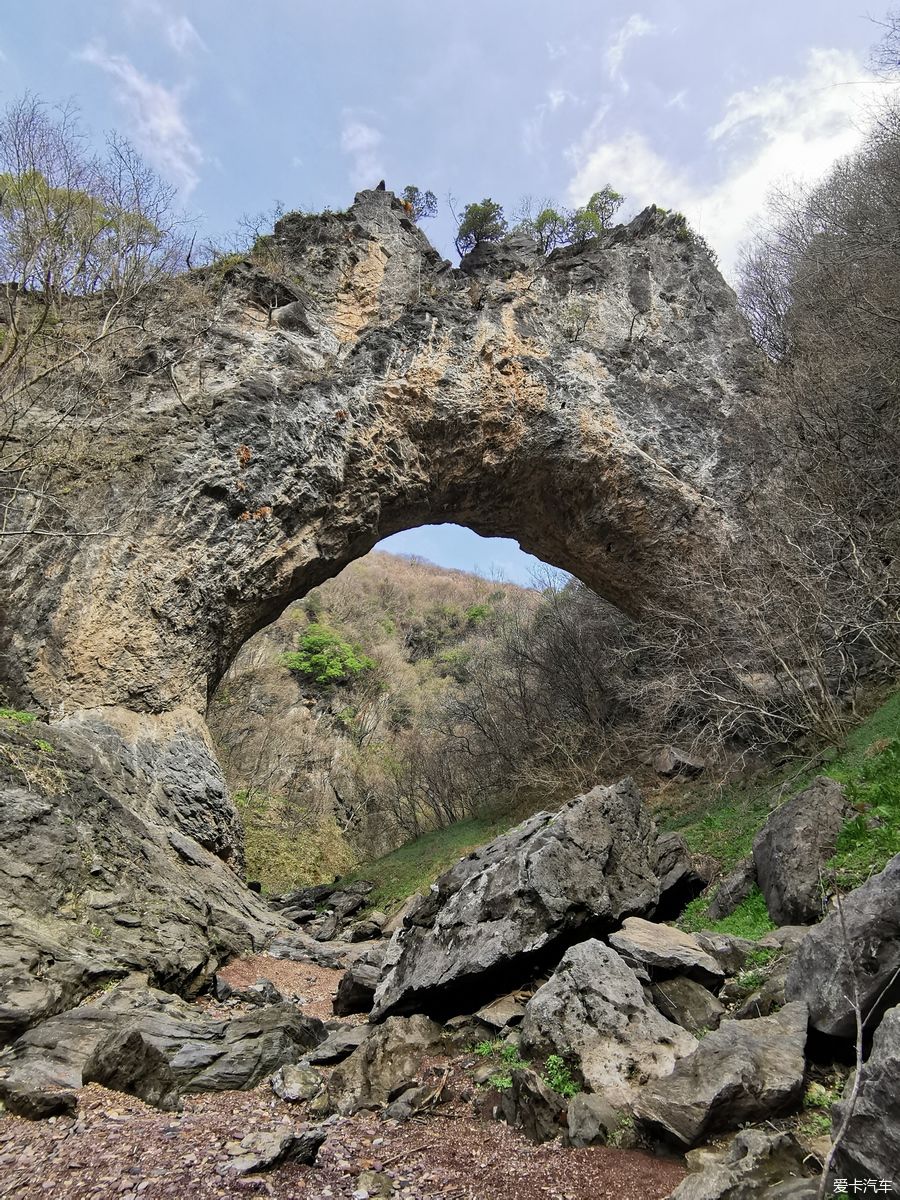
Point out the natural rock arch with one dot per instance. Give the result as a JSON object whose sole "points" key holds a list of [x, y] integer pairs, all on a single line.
{"points": [[600, 406]]}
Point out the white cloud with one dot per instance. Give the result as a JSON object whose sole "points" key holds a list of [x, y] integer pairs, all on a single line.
{"points": [[784, 129], [158, 124], [635, 27], [183, 36], [533, 126], [361, 142], [180, 32], [679, 100]]}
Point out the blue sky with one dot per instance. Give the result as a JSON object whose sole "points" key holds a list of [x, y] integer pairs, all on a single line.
{"points": [[693, 104]]}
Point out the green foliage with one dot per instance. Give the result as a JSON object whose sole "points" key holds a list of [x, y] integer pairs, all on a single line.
{"points": [[558, 1075], [421, 205], [749, 920], [18, 715], [596, 216], [761, 956], [501, 1080], [477, 614], [45, 747], [325, 658], [485, 1049], [872, 837], [283, 854], [482, 222]]}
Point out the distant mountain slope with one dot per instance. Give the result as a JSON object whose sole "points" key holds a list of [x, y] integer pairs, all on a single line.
{"points": [[325, 768]]}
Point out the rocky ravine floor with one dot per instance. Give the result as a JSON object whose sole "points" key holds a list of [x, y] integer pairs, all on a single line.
{"points": [[116, 1146]]}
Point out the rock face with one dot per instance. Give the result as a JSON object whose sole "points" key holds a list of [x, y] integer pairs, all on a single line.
{"points": [[866, 943], [792, 848], [524, 894], [92, 883], [532, 1107], [870, 1148], [593, 1013], [605, 406], [742, 1071], [151, 1044]]}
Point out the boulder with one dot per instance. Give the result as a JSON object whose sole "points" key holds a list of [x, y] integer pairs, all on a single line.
{"points": [[491, 917], [593, 1013], [531, 1106], [733, 890], [742, 1071], [670, 761], [870, 1147], [356, 989], [756, 1163], [127, 1035], [502, 1013], [792, 848], [385, 1065], [295, 1082], [687, 1003], [363, 931], [127, 1061], [266, 1149], [665, 950], [591, 1120], [339, 1044], [861, 939], [680, 878], [731, 953]]}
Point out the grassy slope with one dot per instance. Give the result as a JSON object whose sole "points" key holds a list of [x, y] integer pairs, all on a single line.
{"points": [[718, 821]]}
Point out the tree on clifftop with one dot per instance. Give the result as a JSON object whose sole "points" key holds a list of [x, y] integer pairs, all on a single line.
{"points": [[482, 222]]}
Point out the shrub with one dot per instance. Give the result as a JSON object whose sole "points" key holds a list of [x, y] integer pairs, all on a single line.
{"points": [[325, 658], [482, 222], [558, 1075]]}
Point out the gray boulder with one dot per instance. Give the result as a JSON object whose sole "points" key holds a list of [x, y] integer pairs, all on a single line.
{"points": [[151, 1044], [742, 1071], [339, 1044], [266, 1149], [687, 1003], [385, 1065], [792, 848], [756, 1164], [356, 989], [591, 1120], [665, 950], [731, 953], [295, 1082], [670, 761], [593, 1013], [502, 1013], [862, 939], [870, 1148], [734, 889], [489, 917]]}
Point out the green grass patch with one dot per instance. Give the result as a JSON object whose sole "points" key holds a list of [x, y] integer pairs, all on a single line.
{"points": [[415, 866], [871, 838], [17, 715], [722, 821], [749, 920]]}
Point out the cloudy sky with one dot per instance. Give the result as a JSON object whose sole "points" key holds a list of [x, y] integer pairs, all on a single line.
{"points": [[698, 105]]}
